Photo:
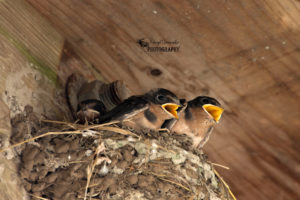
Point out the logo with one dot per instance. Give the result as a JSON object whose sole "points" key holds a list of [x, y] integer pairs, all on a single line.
{"points": [[159, 46]]}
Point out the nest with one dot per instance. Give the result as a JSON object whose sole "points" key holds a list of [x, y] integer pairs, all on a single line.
{"points": [[70, 161]]}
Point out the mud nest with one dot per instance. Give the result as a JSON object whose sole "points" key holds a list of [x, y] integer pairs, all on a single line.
{"points": [[110, 162]]}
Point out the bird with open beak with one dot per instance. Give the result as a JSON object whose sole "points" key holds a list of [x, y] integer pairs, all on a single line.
{"points": [[89, 100], [197, 120], [145, 111]]}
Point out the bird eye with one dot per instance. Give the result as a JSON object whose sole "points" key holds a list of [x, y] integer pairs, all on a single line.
{"points": [[161, 98], [205, 101]]}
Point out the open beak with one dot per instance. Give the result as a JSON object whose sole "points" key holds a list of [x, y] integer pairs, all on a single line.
{"points": [[214, 111], [171, 108]]}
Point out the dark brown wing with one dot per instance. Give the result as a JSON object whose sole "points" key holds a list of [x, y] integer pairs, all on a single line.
{"points": [[128, 108]]}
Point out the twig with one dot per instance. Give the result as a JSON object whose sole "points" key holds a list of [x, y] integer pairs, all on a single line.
{"points": [[84, 127], [178, 184], [91, 167], [72, 125], [159, 176], [80, 126], [219, 165], [99, 127], [218, 175], [39, 136], [78, 161], [165, 149], [116, 129], [42, 198], [103, 127]]}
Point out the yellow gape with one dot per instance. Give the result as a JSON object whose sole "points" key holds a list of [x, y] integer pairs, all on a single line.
{"points": [[171, 108], [214, 111]]}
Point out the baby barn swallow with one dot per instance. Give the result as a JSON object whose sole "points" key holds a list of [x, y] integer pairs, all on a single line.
{"points": [[145, 111], [89, 110], [197, 120], [83, 98]]}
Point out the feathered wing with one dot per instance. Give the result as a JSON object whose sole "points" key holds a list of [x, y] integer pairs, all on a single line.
{"points": [[168, 124], [125, 110]]}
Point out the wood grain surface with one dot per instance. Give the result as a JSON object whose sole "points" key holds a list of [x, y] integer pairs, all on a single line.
{"points": [[244, 53], [30, 50]]}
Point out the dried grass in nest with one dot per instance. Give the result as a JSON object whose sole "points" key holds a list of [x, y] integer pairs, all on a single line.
{"points": [[123, 164]]}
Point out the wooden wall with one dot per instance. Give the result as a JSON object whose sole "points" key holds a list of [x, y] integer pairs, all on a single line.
{"points": [[244, 53]]}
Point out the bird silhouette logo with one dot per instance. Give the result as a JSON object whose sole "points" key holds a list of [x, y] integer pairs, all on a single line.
{"points": [[143, 43]]}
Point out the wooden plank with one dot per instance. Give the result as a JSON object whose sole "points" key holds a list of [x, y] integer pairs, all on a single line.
{"points": [[35, 61], [24, 30], [29, 36], [30, 53], [245, 53]]}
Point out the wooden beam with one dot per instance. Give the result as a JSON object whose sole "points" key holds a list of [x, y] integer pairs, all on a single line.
{"points": [[245, 53], [30, 53]]}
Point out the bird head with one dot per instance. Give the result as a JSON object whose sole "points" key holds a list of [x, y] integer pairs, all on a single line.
{"points": [[89, 110], [210, 105], [166, 99]]}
